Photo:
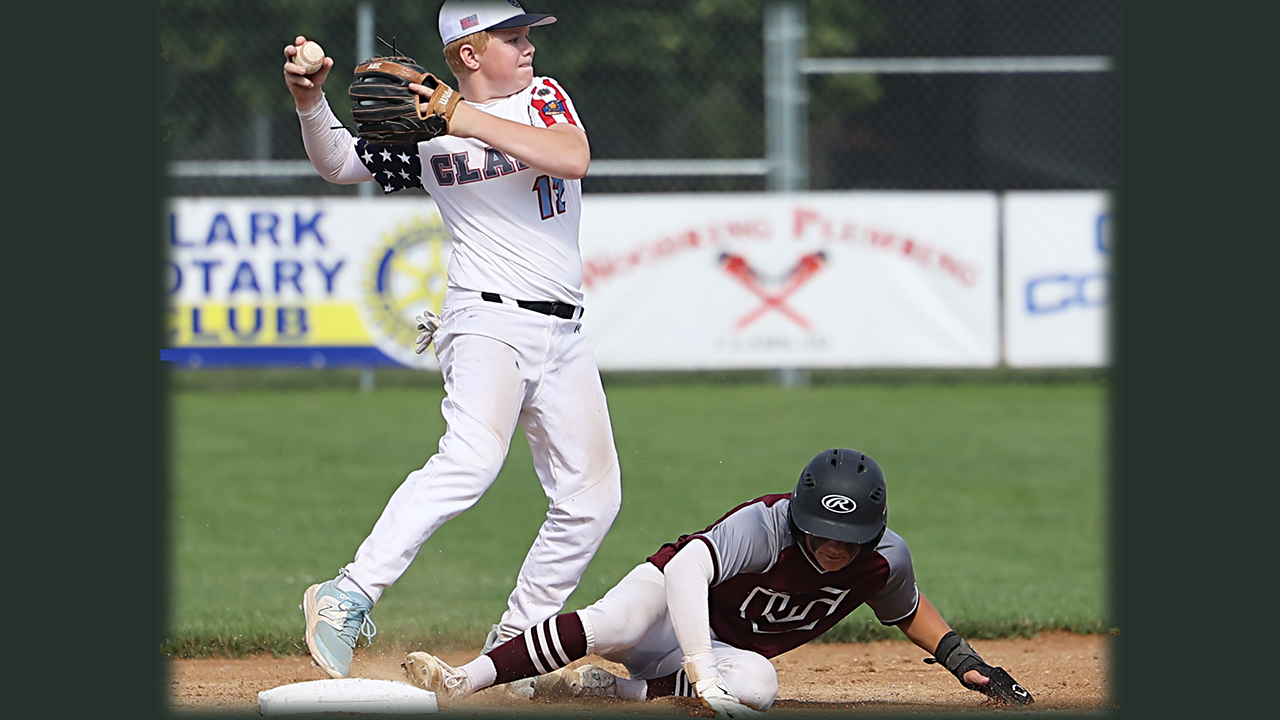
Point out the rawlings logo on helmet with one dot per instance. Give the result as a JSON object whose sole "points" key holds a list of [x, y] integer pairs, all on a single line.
{"points": [[839, 504]]}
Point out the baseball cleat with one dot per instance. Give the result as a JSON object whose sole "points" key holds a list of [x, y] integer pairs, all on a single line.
{"points": [[335, 621], [588, 681], [431, 673]]}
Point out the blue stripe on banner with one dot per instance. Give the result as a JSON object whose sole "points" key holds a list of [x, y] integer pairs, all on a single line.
{"points": [[303, 357]]}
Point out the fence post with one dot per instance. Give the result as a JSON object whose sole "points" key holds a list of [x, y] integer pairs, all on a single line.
{"points": [[786, 117], [785, 97]]}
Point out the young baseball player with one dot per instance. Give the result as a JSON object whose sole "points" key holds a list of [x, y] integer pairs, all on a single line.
{"points": [[703, 615], [507, 181]]}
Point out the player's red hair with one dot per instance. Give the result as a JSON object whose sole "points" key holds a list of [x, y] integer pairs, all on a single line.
{"points": [[452, 51]]}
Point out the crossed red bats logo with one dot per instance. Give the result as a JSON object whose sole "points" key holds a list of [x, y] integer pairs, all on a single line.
{"points": [[805, 269]]}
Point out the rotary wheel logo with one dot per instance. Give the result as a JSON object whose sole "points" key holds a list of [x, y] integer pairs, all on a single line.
{"points": [[406, 273]]}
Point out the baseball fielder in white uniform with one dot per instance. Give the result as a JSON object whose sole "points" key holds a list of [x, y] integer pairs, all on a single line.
{"points": [[507, 181]]}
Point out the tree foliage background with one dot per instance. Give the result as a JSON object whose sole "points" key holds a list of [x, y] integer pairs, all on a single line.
{"points": [[675, 79]]}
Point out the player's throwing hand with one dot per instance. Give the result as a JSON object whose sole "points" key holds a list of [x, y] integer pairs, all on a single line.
{"points": [[306, 89]]}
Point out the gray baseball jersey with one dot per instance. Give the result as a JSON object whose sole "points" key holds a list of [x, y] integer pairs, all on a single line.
{"points": [[769, 596]]}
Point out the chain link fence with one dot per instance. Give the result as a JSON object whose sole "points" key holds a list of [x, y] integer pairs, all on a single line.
{"points": [[685, 80]]}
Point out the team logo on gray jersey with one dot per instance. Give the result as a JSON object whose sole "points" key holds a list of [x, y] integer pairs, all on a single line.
{"points": [[839, 504], [782, 612]]}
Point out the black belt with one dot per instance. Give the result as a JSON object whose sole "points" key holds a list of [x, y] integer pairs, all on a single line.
{"points": [[556, 309]]}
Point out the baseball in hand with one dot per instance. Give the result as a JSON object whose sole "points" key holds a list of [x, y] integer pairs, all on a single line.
{"points": [[310, 56]]}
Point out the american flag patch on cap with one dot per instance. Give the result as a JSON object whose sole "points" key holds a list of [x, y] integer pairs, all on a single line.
{"points": [[469, 22]]}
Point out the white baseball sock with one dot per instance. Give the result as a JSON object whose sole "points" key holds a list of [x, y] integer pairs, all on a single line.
{"points": [[481, 672]]}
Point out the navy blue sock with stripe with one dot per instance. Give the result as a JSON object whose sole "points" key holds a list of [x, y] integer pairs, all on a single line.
{"points": [[547, 646]]}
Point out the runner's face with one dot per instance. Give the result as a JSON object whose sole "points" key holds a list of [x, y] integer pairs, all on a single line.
{"points": [[831, 554]]}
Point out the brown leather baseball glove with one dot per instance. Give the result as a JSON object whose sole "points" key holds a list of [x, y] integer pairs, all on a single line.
{"points": [[387, 112]]}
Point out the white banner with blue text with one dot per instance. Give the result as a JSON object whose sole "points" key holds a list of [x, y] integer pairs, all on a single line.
{"points": [[1057, 297]]}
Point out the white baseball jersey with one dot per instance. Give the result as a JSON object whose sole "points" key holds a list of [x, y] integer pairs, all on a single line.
{"points": [[514, 227]]}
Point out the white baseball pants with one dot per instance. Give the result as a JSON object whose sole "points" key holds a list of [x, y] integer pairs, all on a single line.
{"points": [[504, 365], [630, 626]]}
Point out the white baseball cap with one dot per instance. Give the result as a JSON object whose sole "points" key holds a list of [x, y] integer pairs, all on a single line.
{"points": [[459, 18]]}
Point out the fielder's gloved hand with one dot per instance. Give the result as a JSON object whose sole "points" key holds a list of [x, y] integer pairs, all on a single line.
{"points": [[387, 112], [955, 654], [712, 692], [428, 324]]}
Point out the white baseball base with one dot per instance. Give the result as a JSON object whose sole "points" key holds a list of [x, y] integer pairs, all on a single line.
{"points": [[347, 695]]}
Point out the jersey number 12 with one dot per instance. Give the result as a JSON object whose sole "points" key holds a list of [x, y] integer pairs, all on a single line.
{"points": [[550, 195]]}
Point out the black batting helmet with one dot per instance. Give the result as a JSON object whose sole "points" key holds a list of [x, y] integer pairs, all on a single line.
{"points": [[841, 496]]}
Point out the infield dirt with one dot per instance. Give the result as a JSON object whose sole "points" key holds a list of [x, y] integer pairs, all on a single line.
{"points": [[1064, 671]]}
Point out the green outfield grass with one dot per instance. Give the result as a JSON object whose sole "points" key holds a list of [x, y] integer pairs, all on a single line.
{"points": [[999, 488]]}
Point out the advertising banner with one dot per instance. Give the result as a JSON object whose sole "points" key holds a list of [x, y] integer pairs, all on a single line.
{"points": [[672, 282], [819, 280], [302, 281], [1057, 295]]}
